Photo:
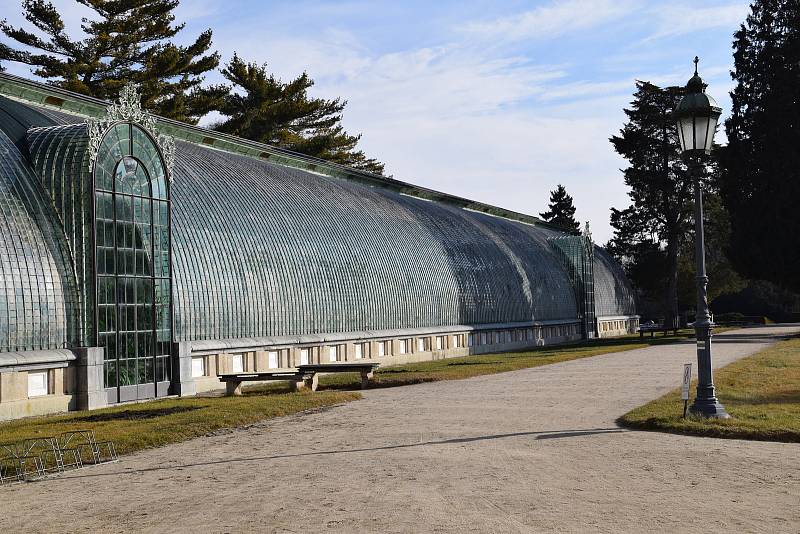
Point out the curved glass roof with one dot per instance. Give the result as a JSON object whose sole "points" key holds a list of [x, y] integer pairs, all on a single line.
{"points": [[34, 272], [614, 295], [263, 250]]}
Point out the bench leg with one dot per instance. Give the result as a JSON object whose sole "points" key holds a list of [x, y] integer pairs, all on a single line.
{"points": [[311, 382], [233, 388], [365, 376]]}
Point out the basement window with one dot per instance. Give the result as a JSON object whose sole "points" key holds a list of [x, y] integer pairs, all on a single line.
{"points": [[38, 384], [198, 367], [237, 363]]}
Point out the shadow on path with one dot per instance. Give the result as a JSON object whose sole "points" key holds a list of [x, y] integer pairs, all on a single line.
{"points": [[559, 434]]}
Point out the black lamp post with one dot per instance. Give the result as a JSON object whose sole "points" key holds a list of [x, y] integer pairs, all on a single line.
{"points": [[697, 115]]}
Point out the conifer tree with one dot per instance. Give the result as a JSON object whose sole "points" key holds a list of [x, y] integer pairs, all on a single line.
{"points": [[761, 164], [561, 210], [124, 41], [263, 108], [649, 233]]}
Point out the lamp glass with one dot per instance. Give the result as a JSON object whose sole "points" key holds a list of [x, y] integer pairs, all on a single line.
{"points": [[712, 128]]}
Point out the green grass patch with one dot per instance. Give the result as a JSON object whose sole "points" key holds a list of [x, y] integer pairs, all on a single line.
{"points": [[133, 427], [761, 392], [469, 366]]}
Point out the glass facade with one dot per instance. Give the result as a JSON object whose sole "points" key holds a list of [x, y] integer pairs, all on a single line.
{"points": [[255, 248], [615, 296], [132, 236], [35, 286], [577, 254]]}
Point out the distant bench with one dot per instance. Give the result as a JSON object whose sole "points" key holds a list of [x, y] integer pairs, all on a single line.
{"points": [[656, 328], [305, 376]]}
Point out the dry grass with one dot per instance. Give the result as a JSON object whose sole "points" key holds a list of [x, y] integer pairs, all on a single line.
{"points": [[153, 424], [761, 392]]}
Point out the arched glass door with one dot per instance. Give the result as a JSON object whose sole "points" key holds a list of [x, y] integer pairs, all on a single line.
{"points": [[132, 245]]}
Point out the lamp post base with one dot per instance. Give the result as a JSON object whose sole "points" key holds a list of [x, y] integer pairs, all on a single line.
{"points": [[710, 408]]}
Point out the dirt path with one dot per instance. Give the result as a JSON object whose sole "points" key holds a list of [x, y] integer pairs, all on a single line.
{"points": [[525, 451]]}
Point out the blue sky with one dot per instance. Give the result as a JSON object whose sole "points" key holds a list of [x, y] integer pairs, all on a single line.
{"points": [[496, 101]]}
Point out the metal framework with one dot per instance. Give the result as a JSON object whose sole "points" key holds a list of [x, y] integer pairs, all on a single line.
{"points": [[133, 311], [577, 254]]}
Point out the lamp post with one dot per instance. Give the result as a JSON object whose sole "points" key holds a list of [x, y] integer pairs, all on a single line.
{"points": [[696, 116]]}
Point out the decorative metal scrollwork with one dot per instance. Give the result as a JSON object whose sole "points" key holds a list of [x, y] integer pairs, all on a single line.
{"points": [[129, 108]]}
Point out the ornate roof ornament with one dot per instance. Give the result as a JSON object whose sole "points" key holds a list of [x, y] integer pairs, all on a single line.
{"points": [[129, 108], [587, 233]]}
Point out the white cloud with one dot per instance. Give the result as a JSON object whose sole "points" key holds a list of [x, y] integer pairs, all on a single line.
{"points": [[499, 110], [552, 20], [674, 20]]}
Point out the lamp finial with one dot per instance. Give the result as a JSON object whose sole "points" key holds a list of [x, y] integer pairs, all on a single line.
{"points": [[696, 61]]}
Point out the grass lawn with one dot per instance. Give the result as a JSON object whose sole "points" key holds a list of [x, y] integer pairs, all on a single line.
{"points": [[761, 392], [134, 427]]}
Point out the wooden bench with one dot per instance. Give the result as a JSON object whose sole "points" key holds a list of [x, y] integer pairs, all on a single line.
{"points": [[233, 381], [366, 370], [656, 328]]}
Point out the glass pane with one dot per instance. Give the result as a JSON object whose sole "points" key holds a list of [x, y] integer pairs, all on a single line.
{"points": [[687, 134], [700, 131], [127, 372], [111, 373], [712, 127]]}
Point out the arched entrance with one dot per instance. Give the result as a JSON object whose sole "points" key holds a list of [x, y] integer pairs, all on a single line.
{"points": [[132, 259]]}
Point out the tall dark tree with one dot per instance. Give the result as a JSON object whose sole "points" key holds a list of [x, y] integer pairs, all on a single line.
{"points": [[723, 278], [761, 164], [561, 210], [263, 108], [126, 40], [649, 233]]}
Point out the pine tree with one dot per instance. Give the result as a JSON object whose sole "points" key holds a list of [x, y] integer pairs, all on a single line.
{"points": [[126, 41], [648, 234], [263, 108], [561, 210], [761, 164]]}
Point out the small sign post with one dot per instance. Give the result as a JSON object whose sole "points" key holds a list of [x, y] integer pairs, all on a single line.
{"points": [[687, 379]]}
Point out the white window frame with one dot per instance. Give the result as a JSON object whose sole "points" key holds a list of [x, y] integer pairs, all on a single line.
{"points": [[421, 344], [358, 351], [305, 356], [333, 353], [237, 363], [382, 348], [440, 342], [272, 359], [198, 367], [38, 383]]}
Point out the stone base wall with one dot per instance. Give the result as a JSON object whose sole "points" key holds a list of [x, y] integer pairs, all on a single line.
{"points": [[15, 401], [387, 351], [617, 326]]}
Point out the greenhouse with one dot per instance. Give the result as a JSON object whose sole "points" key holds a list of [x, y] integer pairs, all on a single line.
{"points": [[142, 257]]}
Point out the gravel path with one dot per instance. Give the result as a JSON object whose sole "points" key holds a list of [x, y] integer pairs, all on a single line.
{"points": [[525, 451]]}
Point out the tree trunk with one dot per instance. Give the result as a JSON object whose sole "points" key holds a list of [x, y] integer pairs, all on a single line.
{"points": [[671, 294]]}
